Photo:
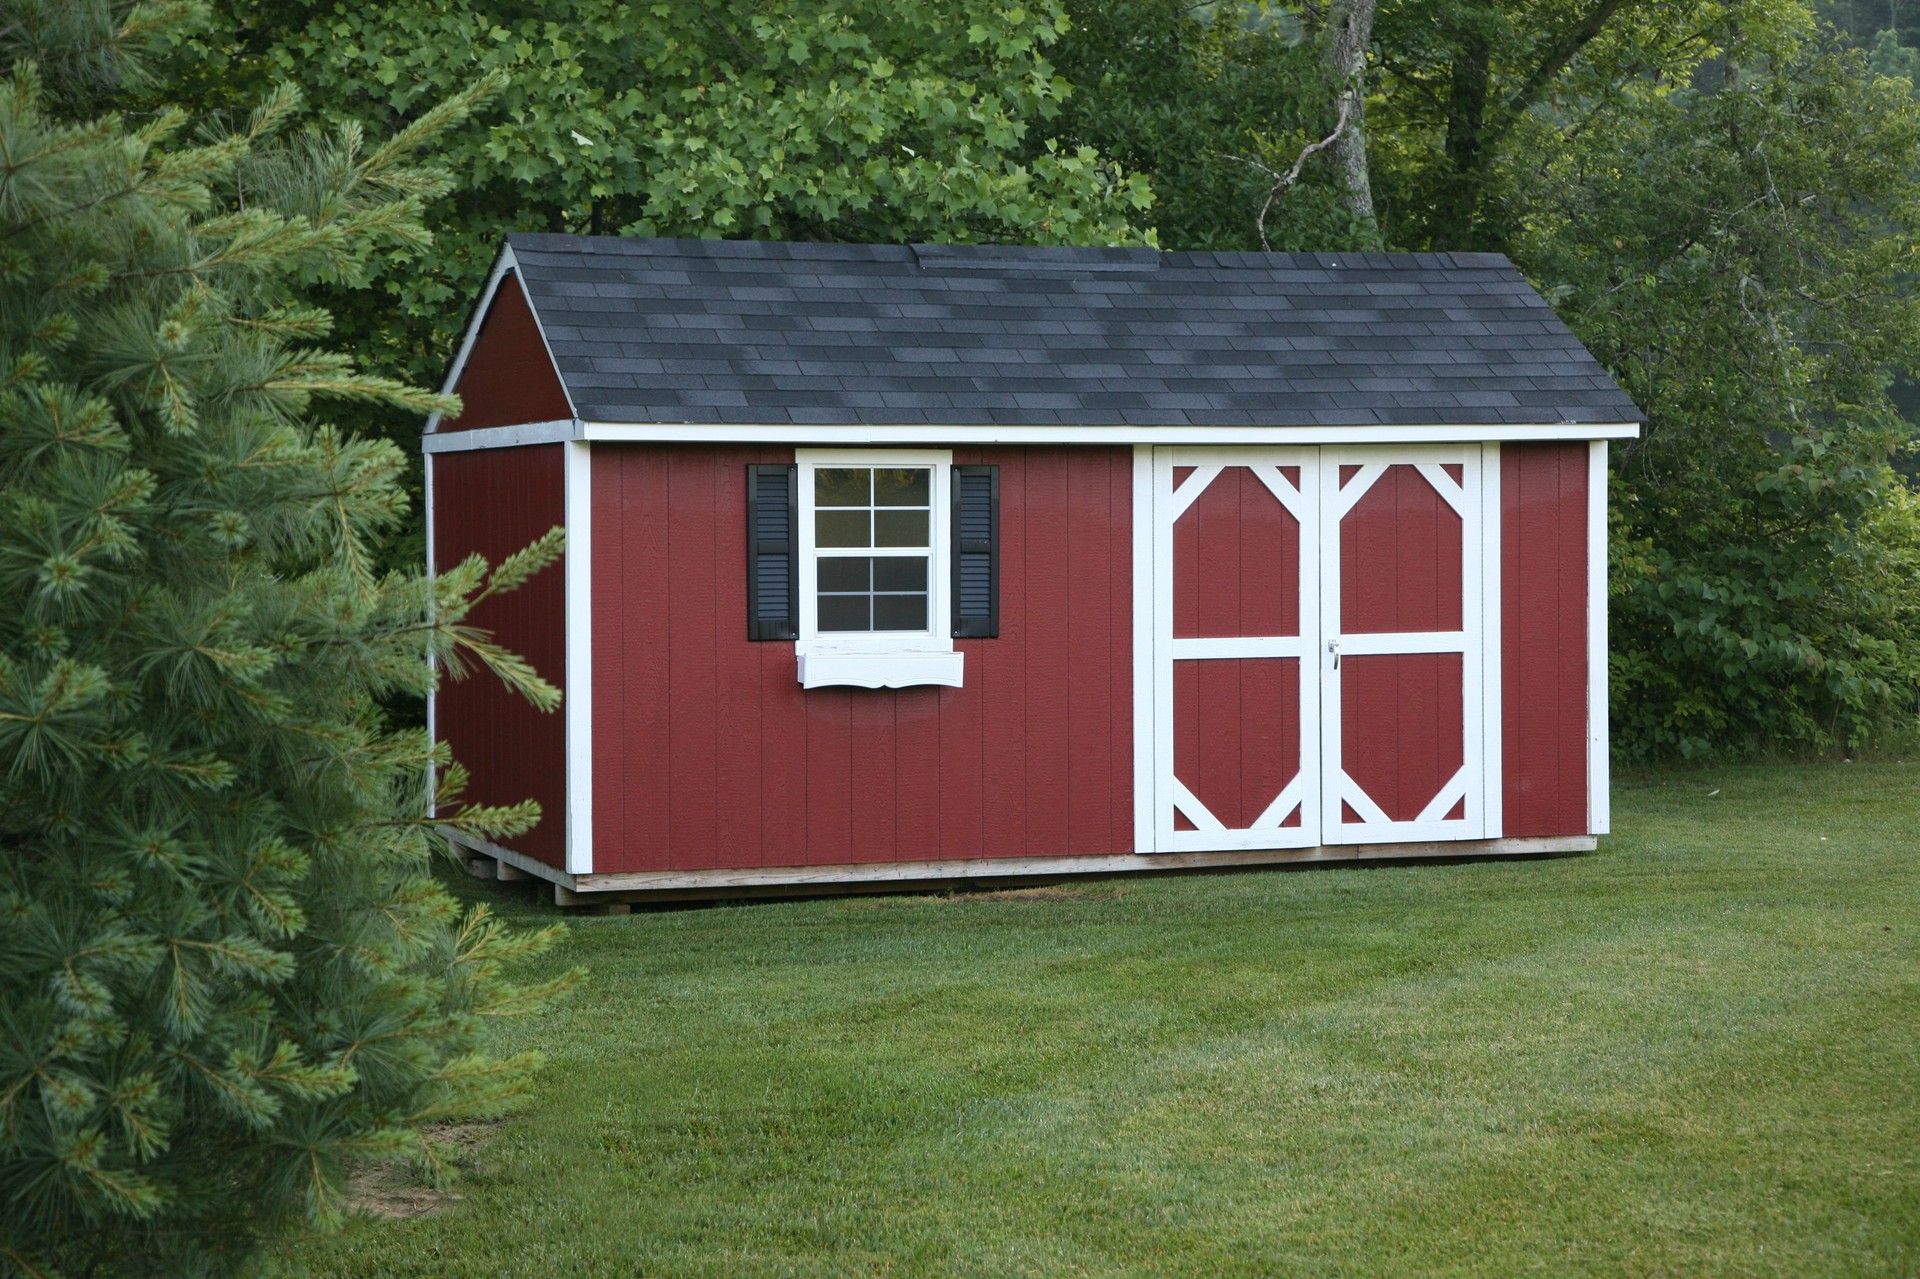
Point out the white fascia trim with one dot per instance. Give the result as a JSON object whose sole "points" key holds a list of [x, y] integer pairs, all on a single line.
{"points": [[504, 437], [504, 264], [1144, 828], [578, 704], [1138, 436], [1599, 766], [880, 434]]}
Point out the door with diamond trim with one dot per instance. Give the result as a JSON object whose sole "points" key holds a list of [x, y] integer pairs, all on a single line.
{"points": [[1237, 684], [1401, 585], [1318, 649]]}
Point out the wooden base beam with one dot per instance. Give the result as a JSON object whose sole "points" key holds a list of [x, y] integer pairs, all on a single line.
{"points": [[982, 872], [485, 860]]}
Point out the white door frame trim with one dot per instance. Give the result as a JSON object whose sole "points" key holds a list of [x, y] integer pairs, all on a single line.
{"points": [[1145, 788]]}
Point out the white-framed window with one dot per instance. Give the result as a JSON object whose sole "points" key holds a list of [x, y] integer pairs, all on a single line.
{"points": [[875, 567]]}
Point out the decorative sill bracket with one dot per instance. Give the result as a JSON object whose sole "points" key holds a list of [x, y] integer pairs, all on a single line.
{"points": [[880, 670]]}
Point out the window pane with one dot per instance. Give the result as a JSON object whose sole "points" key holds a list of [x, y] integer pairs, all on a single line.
{"points": [[900, 573], [898, 528], [899, 612], [902, 486], [845, 613], [841, 528], [842, 486], [848, 574]]}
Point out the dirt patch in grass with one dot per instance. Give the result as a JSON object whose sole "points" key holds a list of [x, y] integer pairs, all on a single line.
{"points": [[395, 1190]]}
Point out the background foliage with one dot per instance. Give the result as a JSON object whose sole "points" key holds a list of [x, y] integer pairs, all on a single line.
{"points": [[1741, 257], [1669, 173], [871, 120]]}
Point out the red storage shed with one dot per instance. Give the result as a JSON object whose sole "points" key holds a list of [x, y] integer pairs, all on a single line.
{"points": [[919, 564]]}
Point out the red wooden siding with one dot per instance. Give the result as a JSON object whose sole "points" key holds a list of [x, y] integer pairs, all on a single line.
{"points": [[1236, 734], [708, 753], [508, 380], [1402, 727], [1236, 554], [1543, 637], [1400, 557], [495, 501]]}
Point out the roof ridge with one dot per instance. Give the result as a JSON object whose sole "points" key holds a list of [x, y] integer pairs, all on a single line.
{"points": [[986, 256]]}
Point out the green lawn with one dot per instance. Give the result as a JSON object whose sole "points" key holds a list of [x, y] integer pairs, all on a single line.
{"points": [[1694, 1052]]}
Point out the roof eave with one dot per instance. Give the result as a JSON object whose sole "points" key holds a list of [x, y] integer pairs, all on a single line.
{"points": [[875, 434]]}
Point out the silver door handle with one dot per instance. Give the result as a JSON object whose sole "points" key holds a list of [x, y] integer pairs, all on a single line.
{"points": [[1333, 646]]}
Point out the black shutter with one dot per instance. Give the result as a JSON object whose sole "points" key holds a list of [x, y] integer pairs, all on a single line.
{"points": [[773, 591], [976, 552]]}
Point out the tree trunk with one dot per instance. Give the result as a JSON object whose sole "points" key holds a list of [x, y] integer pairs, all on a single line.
{"points": [[1350, 26], [1459, 195]]}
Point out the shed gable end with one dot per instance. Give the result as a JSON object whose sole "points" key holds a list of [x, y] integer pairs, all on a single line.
{"points": [[508, 378]]}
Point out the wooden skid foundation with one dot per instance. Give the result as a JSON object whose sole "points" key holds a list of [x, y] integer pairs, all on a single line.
{"points": [[931, 876]]}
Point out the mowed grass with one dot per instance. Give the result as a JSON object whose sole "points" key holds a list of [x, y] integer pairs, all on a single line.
{"points": [[1694, 1052]]}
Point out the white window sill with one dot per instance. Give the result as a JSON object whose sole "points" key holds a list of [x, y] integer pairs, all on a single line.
{"points": [[880, 670]]}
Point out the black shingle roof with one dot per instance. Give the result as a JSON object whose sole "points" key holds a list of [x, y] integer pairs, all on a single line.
{"points": [[759, 332]]}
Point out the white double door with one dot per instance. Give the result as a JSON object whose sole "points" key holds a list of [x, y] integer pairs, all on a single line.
{"points": [[1323, 670]]}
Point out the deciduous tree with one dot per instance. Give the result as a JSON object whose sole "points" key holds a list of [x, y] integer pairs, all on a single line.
{"points": [[865, 120], [1458, 78], [1741, 259]]}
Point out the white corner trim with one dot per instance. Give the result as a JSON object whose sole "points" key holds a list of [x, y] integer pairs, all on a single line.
{"points": [[578, 704], [1492, 581], [880, 434], [1144, 827], [880, 670], [433, 665], [1599, 766], [503, 437]]}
